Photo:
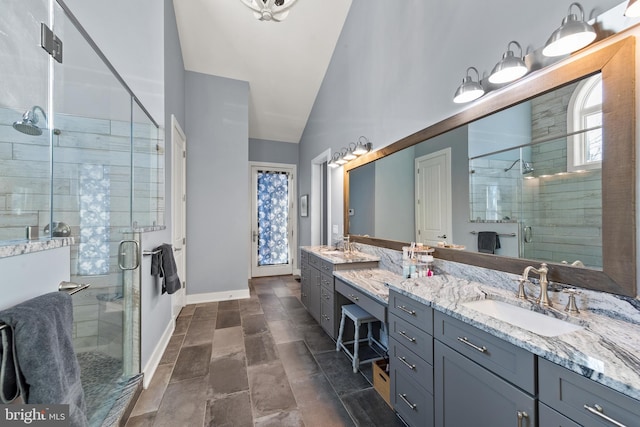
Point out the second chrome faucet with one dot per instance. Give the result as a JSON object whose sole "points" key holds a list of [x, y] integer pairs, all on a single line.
{"points": [[543, 299]]}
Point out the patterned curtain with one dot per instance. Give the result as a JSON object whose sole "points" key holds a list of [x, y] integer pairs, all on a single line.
{"points": [[273, 218]]}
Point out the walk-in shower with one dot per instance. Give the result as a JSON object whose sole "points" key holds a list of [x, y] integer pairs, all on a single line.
{"points": [[80, 157]]}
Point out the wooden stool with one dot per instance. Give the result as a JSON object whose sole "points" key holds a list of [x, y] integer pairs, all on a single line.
{"points": [[359, 317]]}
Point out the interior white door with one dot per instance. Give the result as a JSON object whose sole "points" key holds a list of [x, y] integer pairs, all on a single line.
{"points": [[273, 216], [433, 197], [179, 209]]}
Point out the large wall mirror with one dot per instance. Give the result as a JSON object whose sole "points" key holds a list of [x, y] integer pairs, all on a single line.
{"points": [[547, 164]]}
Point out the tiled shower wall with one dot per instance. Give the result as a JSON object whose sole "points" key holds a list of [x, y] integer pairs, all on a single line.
{"points": [[91, 193]]}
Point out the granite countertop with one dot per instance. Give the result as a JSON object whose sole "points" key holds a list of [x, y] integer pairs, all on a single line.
{"points": [[371, 281], [331, 254], [606, 350]]}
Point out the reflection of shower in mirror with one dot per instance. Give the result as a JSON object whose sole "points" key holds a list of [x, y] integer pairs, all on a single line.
{"points": [[527, 167]]}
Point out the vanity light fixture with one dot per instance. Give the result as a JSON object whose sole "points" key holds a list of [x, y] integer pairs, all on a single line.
{"points": [[469, 90], [633, 9], [350, 153], [341, 160], [269, 10], [333, 163], [572, 35], [510, 67], [363, 146]]}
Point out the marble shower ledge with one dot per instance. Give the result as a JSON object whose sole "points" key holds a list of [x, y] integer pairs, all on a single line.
{"points": [[146, 229], [21, 247], [606, 350]]}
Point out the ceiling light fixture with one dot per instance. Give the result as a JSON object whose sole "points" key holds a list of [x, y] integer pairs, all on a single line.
{"points": [[510, 67], [633, 9], [573, 34], [270, 10], [469, 90]]}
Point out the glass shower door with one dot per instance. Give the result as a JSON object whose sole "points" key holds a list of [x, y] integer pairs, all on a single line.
{"points": [[92, 198]]}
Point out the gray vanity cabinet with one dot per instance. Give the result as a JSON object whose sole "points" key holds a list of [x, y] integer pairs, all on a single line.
{"points": [[480, 379], [411, 359], [547, 417], [583, 400]]}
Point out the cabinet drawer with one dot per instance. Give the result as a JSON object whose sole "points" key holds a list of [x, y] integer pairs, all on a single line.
{"points": [[304, 256], [512, 363], [412, 311], [325, 266], [373, 307], [411, 337], [547, 417], [314, 261], [326, 280], [327, 320], [412, 402], [326, 295], [570, 394], [414, 367]]}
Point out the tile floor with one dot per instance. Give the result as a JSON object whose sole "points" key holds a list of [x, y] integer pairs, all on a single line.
{"points": [[261, 361]]}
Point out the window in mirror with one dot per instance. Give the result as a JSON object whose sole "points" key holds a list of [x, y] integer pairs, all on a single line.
{"points": [[584, 121]]}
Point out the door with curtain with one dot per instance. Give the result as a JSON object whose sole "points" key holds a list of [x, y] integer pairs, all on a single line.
{"points": [[273, 207]]}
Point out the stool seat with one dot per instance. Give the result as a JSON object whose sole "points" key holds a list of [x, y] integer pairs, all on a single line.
{"points": [[359, 316]]}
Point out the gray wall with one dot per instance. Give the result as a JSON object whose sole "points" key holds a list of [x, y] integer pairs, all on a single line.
{"points": [[262, 150], [217, 115], [395, 69]]}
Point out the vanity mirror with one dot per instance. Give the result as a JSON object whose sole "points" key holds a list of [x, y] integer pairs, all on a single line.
{"points": [[487, 171]]}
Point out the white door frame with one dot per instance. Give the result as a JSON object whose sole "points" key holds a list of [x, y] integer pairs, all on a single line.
{"points": [[316, 198], [293, 219], [178, 201]]}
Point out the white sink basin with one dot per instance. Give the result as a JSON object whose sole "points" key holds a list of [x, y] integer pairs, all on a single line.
{"points": [[521, 317]]}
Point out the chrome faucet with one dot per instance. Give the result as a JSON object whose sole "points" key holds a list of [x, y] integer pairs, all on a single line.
{"points": [[543, 299]]}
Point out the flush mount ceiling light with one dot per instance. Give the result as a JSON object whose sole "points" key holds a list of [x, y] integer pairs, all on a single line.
{"points": [[573, 34], [269, 10], [469, 90], [633, 9], [510, 67]]}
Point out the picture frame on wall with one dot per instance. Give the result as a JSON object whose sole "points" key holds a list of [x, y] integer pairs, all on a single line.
{"points": [[304, 205]]}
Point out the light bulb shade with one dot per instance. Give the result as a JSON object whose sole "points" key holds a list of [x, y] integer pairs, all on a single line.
{"points": [[509, 68], [362, 147], [572, 35], [341, 161], [633, 9], [349, 154], [333, 163], [469, 90]]}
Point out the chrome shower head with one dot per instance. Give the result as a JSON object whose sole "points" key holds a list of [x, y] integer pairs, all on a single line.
{"points": [[28, 123], [527, 167]]}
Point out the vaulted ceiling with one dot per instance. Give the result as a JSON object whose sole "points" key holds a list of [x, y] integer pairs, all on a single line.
{"points": [[284, 62]]}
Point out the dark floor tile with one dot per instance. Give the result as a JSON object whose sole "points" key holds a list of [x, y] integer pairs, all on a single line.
{"points": [[227, 341], [367, 408], [269, 300], [337, 367], [297, 360], [317, 339], [173, 349], [150, 398], [301, 317], [205, 313], [182, 324], [318, 402], [270, 390], [193, 362], [227, 319], [255, 324], [227, 305], [187, 310], [284, 331], [199, 332], [280, 419], [228, 374], [290, 302], [250, 307], [260, 349], [229, 411], [144, 420], [184, 404], [272, 314]]}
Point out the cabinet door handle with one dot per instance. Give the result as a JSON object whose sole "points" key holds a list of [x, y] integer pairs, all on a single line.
{"points": [[403, 396], [404, 334], [403, 308], [465, 340], [404, 360], [600, 412], [521, 415]]}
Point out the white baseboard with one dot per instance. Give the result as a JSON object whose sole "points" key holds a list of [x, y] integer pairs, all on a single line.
{"points": [[296, 272], [218, 296], [154, 360]]}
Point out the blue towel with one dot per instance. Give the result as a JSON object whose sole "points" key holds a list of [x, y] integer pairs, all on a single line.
{"points": [[48, 367]]}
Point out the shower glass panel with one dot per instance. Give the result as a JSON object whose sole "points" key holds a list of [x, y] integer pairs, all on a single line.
{"points": [[148, 171], [25, 163]]}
